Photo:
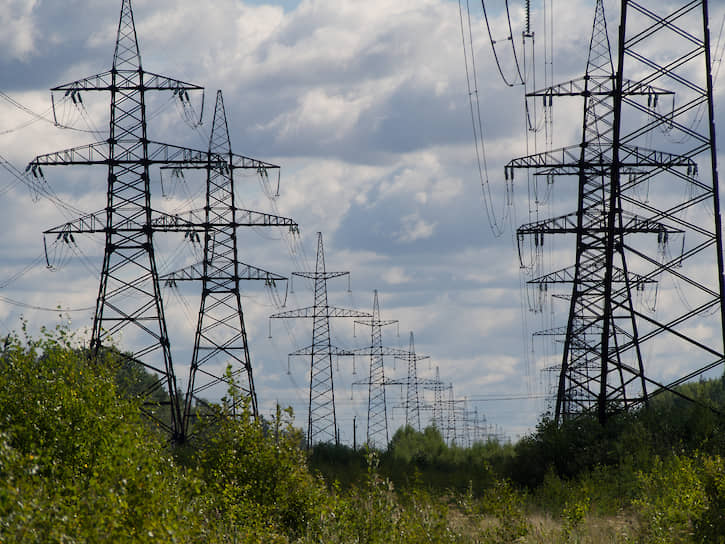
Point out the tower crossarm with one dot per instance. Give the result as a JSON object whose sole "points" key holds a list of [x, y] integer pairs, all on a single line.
{"points": [[554, 331], [598, 85], [195, 272], [567, 224], [100, 153], [333, 350], [566, 275], [320, 275], [87, 224], [384, 351], [236, 162], [310, 311], [372, 322], [570, 157], [431, 383], [412, 356], [387, 382], [195, 220], [104, 82], [242, 162]]}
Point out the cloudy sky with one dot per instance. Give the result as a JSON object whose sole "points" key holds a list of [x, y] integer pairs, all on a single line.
{"points": [[365, 106]]}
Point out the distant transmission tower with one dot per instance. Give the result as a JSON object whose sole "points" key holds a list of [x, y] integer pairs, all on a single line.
{"points": [[438, 407], [322, 419], [377, 431], [129, 292], [412, 399], [646, 219], [221, 337], [412, 385]]}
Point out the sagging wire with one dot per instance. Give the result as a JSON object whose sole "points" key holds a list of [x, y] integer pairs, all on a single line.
{"points": [[266, 185], [69, 111], [497, 227], [533, 125], [273, 292], [510, 39], [187, 310], [59, 255], [18, 105], [175, 178], [83, 258], [188, 112], [39, 188], [25, 305], [35, 116], [35, 262], [42, 258]]}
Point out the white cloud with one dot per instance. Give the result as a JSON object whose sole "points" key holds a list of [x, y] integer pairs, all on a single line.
{"points": [[19, 30], [414, 228], [395, 275]]}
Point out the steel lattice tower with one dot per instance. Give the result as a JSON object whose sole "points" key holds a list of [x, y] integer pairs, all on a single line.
{"points": [[221, 337], [129, 291], [322, 419], [377, 428], [412, 400], [437, 386], [625, 231], [411, 383]]}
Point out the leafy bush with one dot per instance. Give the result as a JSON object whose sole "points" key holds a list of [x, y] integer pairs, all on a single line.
{"points": [[76, 464], [256, 476], [79, 464]]}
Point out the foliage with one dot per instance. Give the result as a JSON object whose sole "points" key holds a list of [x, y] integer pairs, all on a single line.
{"points": [[79, 464], [256, 476], [75, 462], [374, 514], [507, 505]]}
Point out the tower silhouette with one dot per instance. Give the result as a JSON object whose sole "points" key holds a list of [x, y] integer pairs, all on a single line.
{"points": [[221, 338], [377, 428], [438, 407], [129, 293], [412, 385], [412, 399], [322, 418], [631, 212]]}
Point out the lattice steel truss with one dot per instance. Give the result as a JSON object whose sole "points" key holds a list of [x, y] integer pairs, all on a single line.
{"points": [[129, 291], [322, 418], [129, 297], [412, 398], [377, 426], [221, 338], [646, 219], [412, 385], [437, 408]]}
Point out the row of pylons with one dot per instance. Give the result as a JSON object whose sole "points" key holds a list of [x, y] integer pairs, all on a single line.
{"points": [[129, 297]]}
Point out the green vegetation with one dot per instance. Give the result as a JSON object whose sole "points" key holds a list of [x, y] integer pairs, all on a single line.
{"points": [[78, 463]]}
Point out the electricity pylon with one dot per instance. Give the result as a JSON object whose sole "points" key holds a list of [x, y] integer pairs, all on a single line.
{"points": [[322, 419], [411, 383], [221, 337], [129, 291], [452, 430], [412, 400], [437, 386], [631, 208], [377, 429]]}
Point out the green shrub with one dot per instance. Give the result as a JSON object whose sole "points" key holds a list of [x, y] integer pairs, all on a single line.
{"points": [[76, 463], [672, 497], [256, 476]]}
